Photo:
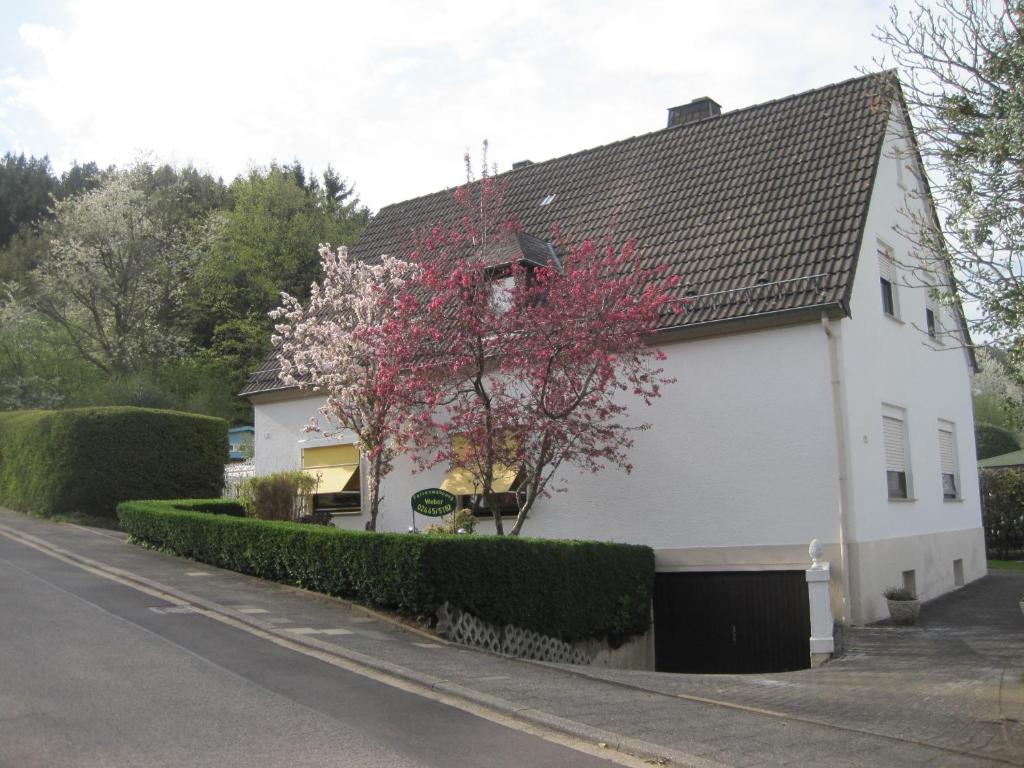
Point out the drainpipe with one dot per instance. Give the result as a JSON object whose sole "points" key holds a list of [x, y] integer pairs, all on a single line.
{"points": [[841, 459]]}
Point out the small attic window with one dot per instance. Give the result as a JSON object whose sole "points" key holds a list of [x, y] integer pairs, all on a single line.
{"points": [[548, 200]]}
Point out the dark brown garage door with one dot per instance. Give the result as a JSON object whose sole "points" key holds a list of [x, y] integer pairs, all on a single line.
{"points": [[742, 621]]}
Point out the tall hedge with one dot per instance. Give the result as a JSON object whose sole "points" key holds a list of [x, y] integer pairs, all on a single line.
{"points": [[1002, 510], [88, 460], [568, 589], [994, 441]]}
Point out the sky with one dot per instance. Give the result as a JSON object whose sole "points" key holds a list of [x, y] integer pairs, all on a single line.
{"points": [[392, 94]]}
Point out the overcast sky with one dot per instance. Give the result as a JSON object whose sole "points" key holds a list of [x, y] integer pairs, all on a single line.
{"points": [[391, 94]]}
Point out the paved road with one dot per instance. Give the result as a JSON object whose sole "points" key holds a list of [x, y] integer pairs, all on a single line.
{"points": [[949, 692], [93, 673]]}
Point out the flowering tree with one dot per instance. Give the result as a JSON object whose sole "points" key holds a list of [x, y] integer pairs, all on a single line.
{"points": [[524, 366], [346, 343]]}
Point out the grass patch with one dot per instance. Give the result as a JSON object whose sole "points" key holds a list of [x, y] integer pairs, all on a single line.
{"points": [[1006, 565]]}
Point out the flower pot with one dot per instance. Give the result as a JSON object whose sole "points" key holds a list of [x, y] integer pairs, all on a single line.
{"points": [[904, 611]]}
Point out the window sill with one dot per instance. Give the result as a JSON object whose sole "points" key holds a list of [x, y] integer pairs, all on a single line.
{"points": [[957, 500], [346, 514], [893, 318], [902, 501]]}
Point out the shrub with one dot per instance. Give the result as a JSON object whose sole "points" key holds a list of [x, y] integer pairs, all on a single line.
{"points": [[280, 496], [900, 594], [1002, 510], [461, 520], [994, 441], [86, 460], [568, 589], [229, 507]]}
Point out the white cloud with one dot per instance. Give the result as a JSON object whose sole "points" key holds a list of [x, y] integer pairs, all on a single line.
{"points": [[392, 93]]}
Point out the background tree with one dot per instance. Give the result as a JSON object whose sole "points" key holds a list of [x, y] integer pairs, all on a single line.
{"points": [[114, 276], [997, 394], [346, 344], [527, 369], [961, 63], [264, 244]]}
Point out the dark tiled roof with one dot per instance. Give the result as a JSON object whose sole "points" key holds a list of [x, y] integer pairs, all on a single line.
{"points": [[759, 210]]}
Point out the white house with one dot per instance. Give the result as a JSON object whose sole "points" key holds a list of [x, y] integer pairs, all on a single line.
{"points": [[822, 392]]}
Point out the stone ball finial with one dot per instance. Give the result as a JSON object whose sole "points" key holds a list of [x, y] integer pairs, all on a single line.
{"points": [[815, 550]]}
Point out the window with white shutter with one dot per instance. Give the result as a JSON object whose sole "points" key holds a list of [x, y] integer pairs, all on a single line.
{"points": [[947, 461], [895, 442], [887, 274]]}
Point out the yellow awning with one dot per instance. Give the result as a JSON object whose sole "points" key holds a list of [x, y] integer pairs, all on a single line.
{"points": [[332, 479], [335, 465], [329, 456], [461, 482]]}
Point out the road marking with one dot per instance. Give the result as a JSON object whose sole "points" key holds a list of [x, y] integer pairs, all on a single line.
{"points": [[173, 609], [246, 609], [428, 645], [315, 631], [197, 573]]}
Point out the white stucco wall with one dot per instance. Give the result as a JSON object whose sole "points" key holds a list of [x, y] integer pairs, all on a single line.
{"points": [[741, 455], [893, 362]]}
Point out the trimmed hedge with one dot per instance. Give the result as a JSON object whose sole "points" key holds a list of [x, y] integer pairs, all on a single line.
{"points": [[992, 441], [568, 589], [88, 460], [1002, 511]]}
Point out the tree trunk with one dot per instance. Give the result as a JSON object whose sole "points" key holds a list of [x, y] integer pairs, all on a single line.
{"points": [[373, 485]]}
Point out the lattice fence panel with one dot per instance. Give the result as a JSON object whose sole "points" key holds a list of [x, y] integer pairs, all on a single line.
{"points": [[462, 627]]}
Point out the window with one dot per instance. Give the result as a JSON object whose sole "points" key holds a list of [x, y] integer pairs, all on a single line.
{"points": [[508, 506], [947, 461], [894, 437], [887, 275], [462, 482], [933, 316], [336, 467]]}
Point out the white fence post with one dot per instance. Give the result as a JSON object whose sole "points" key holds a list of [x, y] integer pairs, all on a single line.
{"points": [[820, 598]]}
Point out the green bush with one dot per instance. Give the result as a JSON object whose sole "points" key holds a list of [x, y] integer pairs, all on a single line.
{"points": [[994, 441], [280, 496], [568, 589], [87, 460], [229, 507], [1002, 510]]}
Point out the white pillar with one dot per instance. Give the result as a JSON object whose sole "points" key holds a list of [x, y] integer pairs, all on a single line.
{"points": [[820, 597]]}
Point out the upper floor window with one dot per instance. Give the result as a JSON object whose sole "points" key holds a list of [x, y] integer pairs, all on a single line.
{"points": [[887, 275], [933, 316], [947, 461]]}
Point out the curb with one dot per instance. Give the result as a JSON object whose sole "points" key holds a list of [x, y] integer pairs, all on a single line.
{"points": [[612, 741]]}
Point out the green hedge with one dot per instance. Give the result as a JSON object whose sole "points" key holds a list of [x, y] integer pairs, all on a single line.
{"points": [[87, 460], [568, 589], [991, 440], [1002, 511]]}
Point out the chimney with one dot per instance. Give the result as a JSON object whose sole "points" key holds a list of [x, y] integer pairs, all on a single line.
{"points": [[698, 109], [521, 164]]}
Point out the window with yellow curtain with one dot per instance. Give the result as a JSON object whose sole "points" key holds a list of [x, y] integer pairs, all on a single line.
{"points": [[336, 468]]}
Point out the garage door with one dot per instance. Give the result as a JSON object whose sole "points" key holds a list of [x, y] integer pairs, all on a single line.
{"points": [[742, 621]]}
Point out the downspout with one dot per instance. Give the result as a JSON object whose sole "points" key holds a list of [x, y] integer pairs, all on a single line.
{"points": [[841, 459]]}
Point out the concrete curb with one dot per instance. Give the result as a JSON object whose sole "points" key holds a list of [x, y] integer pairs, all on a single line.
{"points": [[597, 736]]}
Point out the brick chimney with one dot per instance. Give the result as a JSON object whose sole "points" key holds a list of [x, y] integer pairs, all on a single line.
{"points": [[698, 109]]}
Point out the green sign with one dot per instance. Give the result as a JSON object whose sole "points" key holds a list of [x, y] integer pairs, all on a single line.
{"points": [[433, 502]]}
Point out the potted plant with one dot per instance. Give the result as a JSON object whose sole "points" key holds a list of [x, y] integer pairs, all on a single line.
{"points": [[904, 607]]}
